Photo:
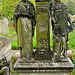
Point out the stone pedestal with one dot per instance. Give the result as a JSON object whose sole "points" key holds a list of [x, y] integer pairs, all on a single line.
{"points": [[42, 30], [43, 67]]}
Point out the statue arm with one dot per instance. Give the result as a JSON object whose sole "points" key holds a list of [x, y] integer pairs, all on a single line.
{"points": [[69, 20]]}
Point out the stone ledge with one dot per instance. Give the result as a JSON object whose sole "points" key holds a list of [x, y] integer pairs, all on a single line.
{"points": [[43, 66]]}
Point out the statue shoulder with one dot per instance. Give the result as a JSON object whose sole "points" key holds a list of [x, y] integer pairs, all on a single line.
{"points": [[30, 3]]}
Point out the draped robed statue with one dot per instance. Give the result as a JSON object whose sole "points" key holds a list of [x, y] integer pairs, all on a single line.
{"points": [[61, 26], [24, 23]]}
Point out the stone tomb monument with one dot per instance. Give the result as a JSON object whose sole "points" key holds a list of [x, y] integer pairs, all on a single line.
{"points": [[42, 62]]}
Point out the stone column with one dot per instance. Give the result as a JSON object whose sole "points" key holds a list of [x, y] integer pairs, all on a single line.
{"points": [[42, 30]]}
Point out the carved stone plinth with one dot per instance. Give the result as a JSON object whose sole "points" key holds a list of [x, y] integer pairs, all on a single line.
{"points": [[42, 30], [42, 67]]}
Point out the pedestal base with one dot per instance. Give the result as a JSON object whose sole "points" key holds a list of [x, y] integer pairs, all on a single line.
{"points": [[43, 67]]}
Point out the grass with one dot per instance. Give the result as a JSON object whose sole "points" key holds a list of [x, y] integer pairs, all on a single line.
{"points": [[73, 58], [14, 45], [11, 33], [34, 40], [71, 41]]}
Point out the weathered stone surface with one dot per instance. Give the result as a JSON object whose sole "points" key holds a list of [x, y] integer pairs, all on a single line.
{"points": [[40, 67], [55, 73], [4, 28], [5, 55], [6, 21], [1, 45], [3, 61], [42, 18], [25, 36], [6, 48], [44, 64], [42, 31], [61, 26], [24, 22], [5, 71]]}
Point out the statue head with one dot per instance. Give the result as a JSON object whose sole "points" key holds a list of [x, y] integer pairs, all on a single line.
{"points": [[24, 0]]}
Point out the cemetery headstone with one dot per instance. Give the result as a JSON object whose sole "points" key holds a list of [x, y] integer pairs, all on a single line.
{"points": [[4, 27]]}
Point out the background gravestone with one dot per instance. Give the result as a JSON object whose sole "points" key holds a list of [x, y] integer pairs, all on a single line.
{"points": [[6, 21], [4, 27]]}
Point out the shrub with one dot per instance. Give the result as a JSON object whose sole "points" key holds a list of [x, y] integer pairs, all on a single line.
{"points": [[71, 7]]}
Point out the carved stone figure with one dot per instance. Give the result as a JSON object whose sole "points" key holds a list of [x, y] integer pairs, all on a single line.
{"points": [[61, 28], [24, 22]]}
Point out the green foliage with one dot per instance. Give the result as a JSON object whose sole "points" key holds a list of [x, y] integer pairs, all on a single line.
{"points": [[13, 60], [64, 1], [73, 58], [71, 7], [1, 71], [71, 40], [14, 72], [11, 33], [14, 45], [51, 38], [34, 40], [7, 7]]}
